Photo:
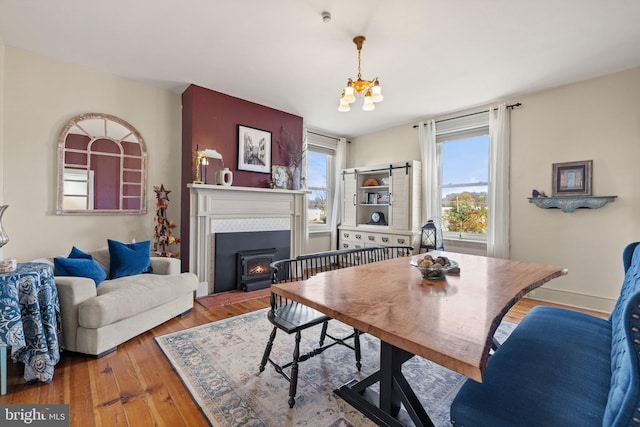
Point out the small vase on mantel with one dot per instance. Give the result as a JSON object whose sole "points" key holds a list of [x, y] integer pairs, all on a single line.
{"points": [[295, 179], [4, 237]]}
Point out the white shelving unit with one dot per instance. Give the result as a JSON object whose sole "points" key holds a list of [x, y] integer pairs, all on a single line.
{"points": [[381, 205]]}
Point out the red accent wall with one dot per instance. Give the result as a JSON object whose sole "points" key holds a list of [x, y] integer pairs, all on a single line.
{"points": [[210, 120]]}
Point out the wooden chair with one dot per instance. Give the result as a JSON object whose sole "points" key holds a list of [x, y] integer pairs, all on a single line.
{"points": [[293, 317]]}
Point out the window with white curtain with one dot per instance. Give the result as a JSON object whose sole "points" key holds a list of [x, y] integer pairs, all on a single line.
{"points": [[320, 158], [463, 159]]}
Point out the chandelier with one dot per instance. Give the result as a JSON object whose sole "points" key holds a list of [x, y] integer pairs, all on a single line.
{"points": [[369, 88]]}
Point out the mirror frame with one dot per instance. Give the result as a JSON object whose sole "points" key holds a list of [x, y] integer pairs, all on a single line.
{"points": [[61, 154]]}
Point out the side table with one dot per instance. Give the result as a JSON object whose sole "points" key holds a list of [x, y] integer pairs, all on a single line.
{"points": [[30, 321]]}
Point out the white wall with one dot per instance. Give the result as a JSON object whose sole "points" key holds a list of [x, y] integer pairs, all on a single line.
{"points": [[595, 120], [40, 96], [392, 145]]}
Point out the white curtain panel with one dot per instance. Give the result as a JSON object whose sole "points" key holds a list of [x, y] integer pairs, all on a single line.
{"points": [[499, 159], [340, 163], [303, 174], [431, 203]]}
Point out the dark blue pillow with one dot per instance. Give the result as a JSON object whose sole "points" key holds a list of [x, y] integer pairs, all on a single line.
{"points": [[79, 267], [128, 259], [77, 253]]}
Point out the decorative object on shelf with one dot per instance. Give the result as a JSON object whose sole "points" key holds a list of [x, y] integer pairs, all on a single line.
{"points": [[572, 178], [296, 182], [377, 218], [569, 204], [4, 237], [383, 197], [370, 182], [254, 149], [369, 88], [280, 177], [536, 193], [201, 159], [163, 227], [431, 237], [224, 177]]}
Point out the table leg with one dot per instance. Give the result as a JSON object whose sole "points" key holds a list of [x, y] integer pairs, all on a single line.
{"points": [[3, 369], [385, 409]]}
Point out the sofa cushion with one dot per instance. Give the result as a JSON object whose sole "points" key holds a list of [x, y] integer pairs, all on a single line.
{"points": [[128, 296], [128, 259], [79, 264], [527, 364]]}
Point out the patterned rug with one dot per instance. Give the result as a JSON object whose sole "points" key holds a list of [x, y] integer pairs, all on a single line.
{"points": [[218, 364]]}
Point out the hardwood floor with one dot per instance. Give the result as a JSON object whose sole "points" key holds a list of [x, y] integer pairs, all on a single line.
{"points": [[136, 385]]}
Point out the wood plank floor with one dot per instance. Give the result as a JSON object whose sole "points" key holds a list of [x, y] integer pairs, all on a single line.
{"points": [[136, 385]]}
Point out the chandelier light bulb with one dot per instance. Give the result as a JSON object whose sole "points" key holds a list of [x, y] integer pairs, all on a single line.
{"points": [[368, 102], [376, 92], [348, 94], [344, 106]]}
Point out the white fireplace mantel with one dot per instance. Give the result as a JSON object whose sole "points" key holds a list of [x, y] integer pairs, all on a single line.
{"points": [[218, 208]]}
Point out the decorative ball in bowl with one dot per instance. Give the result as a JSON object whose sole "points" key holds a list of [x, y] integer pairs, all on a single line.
{"points": [[434, 268]]}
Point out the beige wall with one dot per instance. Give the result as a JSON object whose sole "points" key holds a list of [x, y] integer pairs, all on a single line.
{"points": [[392, 145], [595, 120], [40, 96]]}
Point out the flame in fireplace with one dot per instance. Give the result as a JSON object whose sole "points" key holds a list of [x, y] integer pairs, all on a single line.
{"points": [[257, 269]]}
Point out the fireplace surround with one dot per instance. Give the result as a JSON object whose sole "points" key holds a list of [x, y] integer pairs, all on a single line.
{"points": [[257, 249], [226, 209]]}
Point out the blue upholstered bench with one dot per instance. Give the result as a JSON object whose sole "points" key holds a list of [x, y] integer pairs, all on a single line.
{"points": [[563, 368]]}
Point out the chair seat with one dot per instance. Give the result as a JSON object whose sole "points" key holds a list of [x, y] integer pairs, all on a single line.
{"points": [[293, 317]]}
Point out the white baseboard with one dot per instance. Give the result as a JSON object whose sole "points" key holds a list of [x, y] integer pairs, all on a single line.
{"points": [[573, 299]]}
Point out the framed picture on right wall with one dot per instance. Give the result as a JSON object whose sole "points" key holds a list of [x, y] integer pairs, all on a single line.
{"points": [[572, 179]]}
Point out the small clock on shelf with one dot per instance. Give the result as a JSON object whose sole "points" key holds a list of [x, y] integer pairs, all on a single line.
{"points": [[377, 218]]}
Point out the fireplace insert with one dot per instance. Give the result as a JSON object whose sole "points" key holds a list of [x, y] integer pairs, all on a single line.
{"points": [[254, 271]]}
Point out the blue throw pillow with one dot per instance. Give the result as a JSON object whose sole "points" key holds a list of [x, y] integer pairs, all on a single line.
{"points": [[128, 259], [77, 253], [79, 267]]}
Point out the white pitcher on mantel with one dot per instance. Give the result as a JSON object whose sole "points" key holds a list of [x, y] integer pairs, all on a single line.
{"points": [[224, 177]]}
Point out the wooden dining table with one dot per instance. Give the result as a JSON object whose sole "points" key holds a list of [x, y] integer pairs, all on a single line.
{"points": [[449, 321]]}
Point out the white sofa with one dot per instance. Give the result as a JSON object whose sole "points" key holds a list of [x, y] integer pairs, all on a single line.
{"points": [[96, 319]]}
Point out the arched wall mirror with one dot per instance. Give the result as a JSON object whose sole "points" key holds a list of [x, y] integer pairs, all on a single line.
{"points": [[102, 167]]}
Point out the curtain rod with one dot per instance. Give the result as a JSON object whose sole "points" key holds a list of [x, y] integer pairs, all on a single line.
{"points": [[512, 106]]}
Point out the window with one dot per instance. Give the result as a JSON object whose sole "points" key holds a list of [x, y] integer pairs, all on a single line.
{"points": [[320, 171], [463, 151]]}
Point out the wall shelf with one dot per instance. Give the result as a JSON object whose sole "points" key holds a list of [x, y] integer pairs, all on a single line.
{"points": [[569, 204]]}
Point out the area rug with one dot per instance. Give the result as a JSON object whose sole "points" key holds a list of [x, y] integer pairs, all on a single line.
{"points": [[218, 363]]}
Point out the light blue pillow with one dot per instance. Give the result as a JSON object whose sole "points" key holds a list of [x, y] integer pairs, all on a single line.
{"points": [[128, 259], [79, 267]]}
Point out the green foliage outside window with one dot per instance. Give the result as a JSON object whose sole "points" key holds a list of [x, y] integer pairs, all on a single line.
{"points": [[465, 213]]}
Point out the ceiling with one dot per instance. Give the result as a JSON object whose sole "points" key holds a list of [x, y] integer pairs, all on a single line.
{"points": [[432, 56]]}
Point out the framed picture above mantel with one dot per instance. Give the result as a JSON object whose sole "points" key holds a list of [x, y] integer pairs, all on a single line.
{"points": [[254, 149], [572, 178]]}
